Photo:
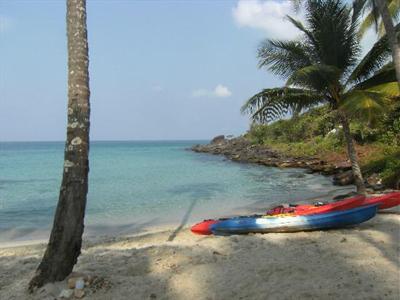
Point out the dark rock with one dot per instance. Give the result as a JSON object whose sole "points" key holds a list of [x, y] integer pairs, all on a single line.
{"points": [[374, 179], [378, 187], [218, 139], [297, 175], [344, 178]]}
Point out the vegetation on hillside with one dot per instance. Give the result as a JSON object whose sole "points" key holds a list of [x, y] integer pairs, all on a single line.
{"points": [[318, 133]]}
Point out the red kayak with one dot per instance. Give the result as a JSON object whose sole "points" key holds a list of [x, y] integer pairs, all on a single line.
{"points": [[385, 201], [310, 209]]}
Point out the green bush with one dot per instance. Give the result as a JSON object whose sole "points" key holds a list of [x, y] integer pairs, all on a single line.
{"points": [[316, 122], [387, 165]]}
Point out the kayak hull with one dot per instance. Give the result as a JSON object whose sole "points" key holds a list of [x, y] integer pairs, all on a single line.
{"points": [[385, 201], [203, 228], [269, 224]]}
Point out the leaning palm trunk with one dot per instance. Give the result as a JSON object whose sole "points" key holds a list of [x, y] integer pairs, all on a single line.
{"points": [[392, 35], [65, 241], [358, 178]]}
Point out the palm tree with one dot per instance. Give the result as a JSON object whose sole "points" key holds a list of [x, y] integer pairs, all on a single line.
{"points": [[372, 18], [65, 241], [322, 67], [386, 10]]}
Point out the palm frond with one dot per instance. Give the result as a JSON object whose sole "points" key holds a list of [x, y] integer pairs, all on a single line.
{"points": [[358, 6], [271, 104], [283, 57], [365, 105], [384, 75], [334, 33], [366, 24], [372, 61], [301, 27], [389, 89], [317, 77]]}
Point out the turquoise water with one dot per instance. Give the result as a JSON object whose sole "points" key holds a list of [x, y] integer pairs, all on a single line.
{"points": [[133, 185]]}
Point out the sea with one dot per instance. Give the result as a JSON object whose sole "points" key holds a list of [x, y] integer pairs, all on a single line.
{"points": [[136, 185]]}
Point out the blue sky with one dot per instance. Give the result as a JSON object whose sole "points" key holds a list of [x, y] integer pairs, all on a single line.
{"points": [[158, 69]]}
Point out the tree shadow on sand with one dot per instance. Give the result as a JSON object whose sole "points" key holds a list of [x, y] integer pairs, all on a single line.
{"points": [[193, 192]]}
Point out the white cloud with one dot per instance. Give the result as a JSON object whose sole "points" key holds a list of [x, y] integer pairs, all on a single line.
{"points": [[269, 16], [222, 91], [219, 91]]}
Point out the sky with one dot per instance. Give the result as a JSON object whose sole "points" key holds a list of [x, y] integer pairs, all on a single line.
{"points": [[159, 70]]}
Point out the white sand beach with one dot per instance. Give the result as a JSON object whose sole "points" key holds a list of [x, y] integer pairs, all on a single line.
{"points": [[354, 263]]}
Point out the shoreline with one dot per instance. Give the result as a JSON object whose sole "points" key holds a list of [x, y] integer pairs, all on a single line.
{"points": [[243, 151], [92, 233]]}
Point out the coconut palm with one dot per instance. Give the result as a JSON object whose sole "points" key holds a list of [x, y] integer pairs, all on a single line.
{"points": [[385, 10], [373, 19], [322, 67], [65, 241]]}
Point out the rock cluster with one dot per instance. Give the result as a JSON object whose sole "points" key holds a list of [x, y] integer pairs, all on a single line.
{"points": [[242, 150], [76, 286]]}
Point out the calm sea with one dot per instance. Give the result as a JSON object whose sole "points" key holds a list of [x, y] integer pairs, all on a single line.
{"points": [[134, 185]]}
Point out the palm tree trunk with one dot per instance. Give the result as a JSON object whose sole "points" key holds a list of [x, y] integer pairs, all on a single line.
{"points": [[358, 178], [65, 241], [392, 35]]}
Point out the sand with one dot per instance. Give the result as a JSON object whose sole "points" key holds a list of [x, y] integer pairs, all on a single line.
{"points": [[354, 263]]}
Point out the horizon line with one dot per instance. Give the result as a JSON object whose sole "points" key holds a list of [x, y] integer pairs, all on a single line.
{"points": [[101, 140]]}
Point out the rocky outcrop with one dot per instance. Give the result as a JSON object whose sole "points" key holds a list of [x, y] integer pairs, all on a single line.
{"points": [[219, 139], [242, 150], [343, 178]]}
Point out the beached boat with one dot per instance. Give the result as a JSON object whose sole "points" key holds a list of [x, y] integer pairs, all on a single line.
{"points": [[204, 227], [384, 201], [266, 224]]}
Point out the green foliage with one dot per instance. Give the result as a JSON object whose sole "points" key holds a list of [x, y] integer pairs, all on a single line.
{"points": [[304, 135], [313, 147], [363, 134], [385, 131], [390, 127], [387, 165], [316, 122]]}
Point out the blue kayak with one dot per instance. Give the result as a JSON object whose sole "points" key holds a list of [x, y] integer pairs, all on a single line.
{"points": [[265, 224]]}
